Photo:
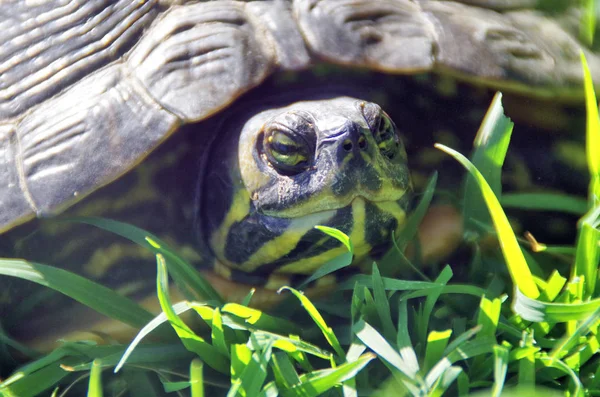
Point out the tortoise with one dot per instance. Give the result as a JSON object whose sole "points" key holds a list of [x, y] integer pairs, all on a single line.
{"points": [[90, 88]]}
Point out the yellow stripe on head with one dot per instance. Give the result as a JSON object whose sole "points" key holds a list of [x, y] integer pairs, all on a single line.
{"points": [[283, 244], [310, 264], [361, 247], [394, 209], [357, 236], [239, 209]]}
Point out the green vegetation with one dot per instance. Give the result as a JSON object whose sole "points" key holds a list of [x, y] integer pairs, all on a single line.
{"points": [[522, 329]]}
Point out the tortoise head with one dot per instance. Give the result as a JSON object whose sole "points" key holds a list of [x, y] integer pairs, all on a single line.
{"points": [[337, 162]]}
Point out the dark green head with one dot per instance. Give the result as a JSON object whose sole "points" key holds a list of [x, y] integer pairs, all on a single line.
{"points": [[337, 162]]}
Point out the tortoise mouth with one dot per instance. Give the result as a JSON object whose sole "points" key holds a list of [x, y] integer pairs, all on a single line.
{"points": [[324, 206]]}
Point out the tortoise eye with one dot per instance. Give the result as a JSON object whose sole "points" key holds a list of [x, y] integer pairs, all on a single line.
{"points": [[288, 153], [386, 137]]}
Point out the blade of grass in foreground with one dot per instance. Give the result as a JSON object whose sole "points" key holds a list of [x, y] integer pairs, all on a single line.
{"points": [[501, 354], [545, 202], [336, 263], [147, 329], [490, 147], [592, 135], [587, 26], [194, 343], [537, 311], [411, 227], [182, 272], [89, 293], [33, 384], [254, 373], [319, 320], [318, 382], [95, 382], [588, 252], [404, 371], [197, 378], [259, 320], [389, 263], [517, 266]]}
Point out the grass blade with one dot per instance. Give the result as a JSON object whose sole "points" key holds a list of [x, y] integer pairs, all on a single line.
{"points": [[405, 348], [444, 381], [592, 134], [490, 146], [545, 202], [95, 382], [194, 343], [337, 263], [432, 297], [182, 272], [94, 295], [517, 266], [551, 312], [391, 260], [501, 355], [147, 329], [382, 304], [338, 235], [318, 382], [318, 319], [587, 26], [256, 319], [437, 341], [587, 255], [374, 341], [489, 314]]}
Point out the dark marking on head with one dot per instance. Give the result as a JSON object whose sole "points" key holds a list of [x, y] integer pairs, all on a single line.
{"points": [[356, 172], [247, 236]]}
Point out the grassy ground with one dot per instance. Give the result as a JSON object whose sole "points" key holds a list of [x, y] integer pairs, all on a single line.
{"points": [[520, 320]]}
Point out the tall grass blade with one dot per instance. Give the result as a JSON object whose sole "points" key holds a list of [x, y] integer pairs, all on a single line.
{"points": [[197, 378], [373, 340], [490, 147], [517, 266], [161, 318], [587, 26], [437, 341], [337, 263], [94, 295], [501, 354], [464, 351], [559, 202], [587, 254], [444, 381], [430, 301], [34, 383], [95, 382], [382, 304], [592, 135], [395, 258], [182, 272], [316, 383], [551, 312], [194, 343], [405, 348], [319, 320]]}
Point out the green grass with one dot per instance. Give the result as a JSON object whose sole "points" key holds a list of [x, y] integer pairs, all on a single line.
{"points": [[523, 328]]}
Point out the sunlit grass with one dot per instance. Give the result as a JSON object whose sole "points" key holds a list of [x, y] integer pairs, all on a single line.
{"points": [[531, 330]]}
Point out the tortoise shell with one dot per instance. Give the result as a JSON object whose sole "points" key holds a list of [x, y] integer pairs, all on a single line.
{"points": [[89, 88]]}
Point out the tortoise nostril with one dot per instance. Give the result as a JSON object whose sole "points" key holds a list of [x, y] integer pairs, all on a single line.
{"points": [[362, 142], [347, 145]]}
